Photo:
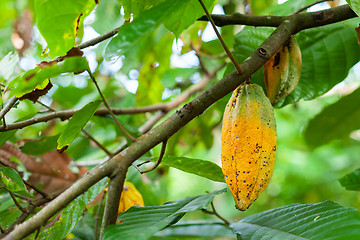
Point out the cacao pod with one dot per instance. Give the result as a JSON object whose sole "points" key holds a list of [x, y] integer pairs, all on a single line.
{"points": [[282, 72], [130, 196], [248, 144]]}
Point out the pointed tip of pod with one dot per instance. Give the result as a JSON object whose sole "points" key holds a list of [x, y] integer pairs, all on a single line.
{"points": [[243, 205]]}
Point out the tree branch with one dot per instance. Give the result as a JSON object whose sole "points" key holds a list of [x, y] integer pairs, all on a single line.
{"points": [[66, 114], [112, 200], [309, 20], [8, 106], [162, 152], [122, 161], [98, 39]]}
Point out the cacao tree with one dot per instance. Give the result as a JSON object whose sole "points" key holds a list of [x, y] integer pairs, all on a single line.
{"points": [[112, 111]]}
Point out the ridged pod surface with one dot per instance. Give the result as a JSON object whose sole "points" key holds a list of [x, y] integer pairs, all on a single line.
{"points": [[248, 144], [282, 72]]}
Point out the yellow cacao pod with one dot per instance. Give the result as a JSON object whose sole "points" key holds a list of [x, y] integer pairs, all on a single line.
{"points": [[248, 144], [130, 196], [282, 72]]}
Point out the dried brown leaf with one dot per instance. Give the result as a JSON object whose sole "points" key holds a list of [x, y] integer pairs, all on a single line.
{"points": [[50, 170]]}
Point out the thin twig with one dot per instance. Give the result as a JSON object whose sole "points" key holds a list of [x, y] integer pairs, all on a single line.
{"points": [[227, 223], [214, 212], [97, 143], [236, 64], [43, 194], [17, 203], [97, 216], [10, 103], [108, 107], [309, 5], [31, 207], [66, 114], [98, 39], [136, 167], [162, 152]]}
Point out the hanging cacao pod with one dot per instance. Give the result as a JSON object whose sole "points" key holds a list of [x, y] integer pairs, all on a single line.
{"points": [[282, 72], [130, 196], [248, 144]]}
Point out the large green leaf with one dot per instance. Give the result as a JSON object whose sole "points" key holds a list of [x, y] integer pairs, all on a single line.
{"points": [[335, 121], [58, 22], [4, 136], [355, 6], [325, 220], [38, 148], [207, 229], [176, 15], [351, 181], [76, 124], [328, 53], [140, 223], [13, 181], [198, 167], [39, 77], [72, 214]]}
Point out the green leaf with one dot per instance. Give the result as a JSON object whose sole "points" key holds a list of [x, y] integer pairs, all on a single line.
{"points": [[187, 11], [4, 136], [39, 77], [176, 15], [58, 22], [8, 64], [142, 222], [351, 181], [258, 6], [198, 167], [325, 220], [355, 6], [12, 181], [137, 7], [207, 229], [335, 121], [72, 214], [40, 147], [9, 215], [75, 124]]}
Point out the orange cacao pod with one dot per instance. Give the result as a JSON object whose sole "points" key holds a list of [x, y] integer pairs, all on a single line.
{"points": [[248, 144], [282, 71]]}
